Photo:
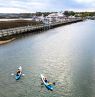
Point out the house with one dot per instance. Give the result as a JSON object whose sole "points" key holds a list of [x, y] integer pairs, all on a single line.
{"points": [[54, 17]]}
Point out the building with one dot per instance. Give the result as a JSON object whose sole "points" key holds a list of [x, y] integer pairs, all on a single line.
{"points": [[54, 18]]}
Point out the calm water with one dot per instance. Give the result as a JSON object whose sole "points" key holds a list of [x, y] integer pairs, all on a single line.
{"points": [[66, 55]]}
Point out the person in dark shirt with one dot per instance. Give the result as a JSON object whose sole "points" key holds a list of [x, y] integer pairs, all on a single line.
{"points": [[45, 80]]}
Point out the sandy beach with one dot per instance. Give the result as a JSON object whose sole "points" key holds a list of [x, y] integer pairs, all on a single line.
{"points": [[6, 41]]}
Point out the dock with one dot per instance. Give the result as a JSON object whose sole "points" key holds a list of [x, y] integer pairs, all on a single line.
{"points": [[34, 29]]}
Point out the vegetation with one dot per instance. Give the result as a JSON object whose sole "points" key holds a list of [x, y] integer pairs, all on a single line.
{"points": [[17, 23], [77, 14], [42, 13], [69, 13], [84, 14]]}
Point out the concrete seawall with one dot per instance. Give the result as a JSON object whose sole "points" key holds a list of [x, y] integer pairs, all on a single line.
{"points": [[12, 32]]}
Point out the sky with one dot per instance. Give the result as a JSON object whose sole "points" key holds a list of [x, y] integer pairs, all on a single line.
{"points": [[31, 6]]}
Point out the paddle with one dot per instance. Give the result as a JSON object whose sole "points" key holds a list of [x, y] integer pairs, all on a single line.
{"points": [[42, 83], [23, 74], [14, 74], [49, 83], [53, 83]]}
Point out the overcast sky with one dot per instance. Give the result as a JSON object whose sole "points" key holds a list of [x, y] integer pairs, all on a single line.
{"points": [[29, 6]]}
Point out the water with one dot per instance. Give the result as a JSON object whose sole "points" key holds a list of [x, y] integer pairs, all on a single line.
{"points": [[66, 55]]}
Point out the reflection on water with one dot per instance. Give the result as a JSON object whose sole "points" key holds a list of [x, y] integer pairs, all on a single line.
{"points": [[64, 54]]}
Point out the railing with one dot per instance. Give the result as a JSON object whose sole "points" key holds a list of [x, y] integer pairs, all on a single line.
{"points": [[18, 30]]}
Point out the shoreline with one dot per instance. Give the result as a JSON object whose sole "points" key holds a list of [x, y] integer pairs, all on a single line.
{"points": [[6, 41], [23, 30]]}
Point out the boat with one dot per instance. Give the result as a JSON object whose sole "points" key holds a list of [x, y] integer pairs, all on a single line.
{"points": [[18, 76], [47, 84]]}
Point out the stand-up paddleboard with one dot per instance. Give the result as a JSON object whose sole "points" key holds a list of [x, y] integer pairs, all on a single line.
{"points": [[18, 76], [47, 84]]}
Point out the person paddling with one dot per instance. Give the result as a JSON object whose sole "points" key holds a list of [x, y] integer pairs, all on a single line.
{"points": [[18, 72], [45, 80]]}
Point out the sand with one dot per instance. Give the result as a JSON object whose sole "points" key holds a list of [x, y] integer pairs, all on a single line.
{"points": [[6, 41]]}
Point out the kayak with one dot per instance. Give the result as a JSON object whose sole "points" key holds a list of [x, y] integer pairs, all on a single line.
{"points": [[47, 84], [17, 77]]}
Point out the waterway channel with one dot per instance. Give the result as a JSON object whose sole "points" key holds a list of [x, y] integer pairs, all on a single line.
{"points": [[65, 55]]}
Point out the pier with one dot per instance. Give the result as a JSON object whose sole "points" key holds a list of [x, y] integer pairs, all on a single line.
{"points": [[34, 29]]}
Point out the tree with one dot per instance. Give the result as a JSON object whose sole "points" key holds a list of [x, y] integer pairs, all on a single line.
{"points": [[69, 13], [66, 13]]}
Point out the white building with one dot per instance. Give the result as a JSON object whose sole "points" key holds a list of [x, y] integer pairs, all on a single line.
{"points": [[54, 17], [38, 18]]}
